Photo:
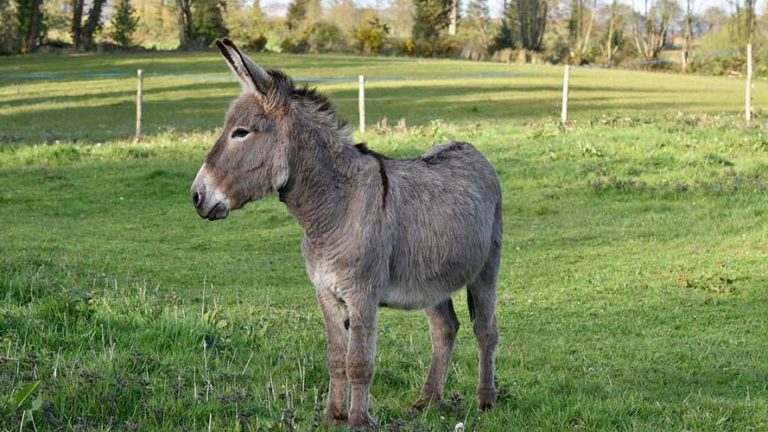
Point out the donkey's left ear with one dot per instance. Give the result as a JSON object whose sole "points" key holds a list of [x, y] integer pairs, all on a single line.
{"points": [[251, 76]]}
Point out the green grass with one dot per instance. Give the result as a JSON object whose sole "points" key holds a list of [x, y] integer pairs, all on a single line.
{"points": [[188, 92], [632, 294]]}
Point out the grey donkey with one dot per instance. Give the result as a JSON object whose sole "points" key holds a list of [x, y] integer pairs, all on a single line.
{"points": [[377, 231]]}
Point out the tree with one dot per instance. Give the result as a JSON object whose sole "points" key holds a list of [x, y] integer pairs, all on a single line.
{"points": [[29, 16], [124, 23], [432, 16], [92, 24], [477, 23], [454, 17], [532, 16], [743, 22], [208, 20], [401, 14], [187, 37], [296, 14], [651, 27], [613, 39], [579, 30], [9, 28], [77, 22], [687, 34], [508, 35]]}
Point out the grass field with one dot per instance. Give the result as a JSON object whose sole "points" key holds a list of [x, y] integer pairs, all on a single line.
{"points": [[633, 293]]}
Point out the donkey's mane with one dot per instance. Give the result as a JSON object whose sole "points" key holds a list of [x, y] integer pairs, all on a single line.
{"points": [[287, 89]]}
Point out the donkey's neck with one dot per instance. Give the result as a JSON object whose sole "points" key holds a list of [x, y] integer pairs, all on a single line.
{"points": [[320, 186]]}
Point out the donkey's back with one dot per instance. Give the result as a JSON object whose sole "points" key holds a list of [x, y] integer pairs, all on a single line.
{"points": [[444, 213]]}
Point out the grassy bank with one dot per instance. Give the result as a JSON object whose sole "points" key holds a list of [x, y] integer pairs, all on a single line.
{"points": [[632, 295]]}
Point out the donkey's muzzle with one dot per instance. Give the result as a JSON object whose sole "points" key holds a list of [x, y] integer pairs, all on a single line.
{"points": [[207, 209], [209, 202], [219, 211]]}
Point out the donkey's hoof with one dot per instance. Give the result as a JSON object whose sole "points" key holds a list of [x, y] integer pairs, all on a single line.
{"points": [[486, 399], [423, 402], [361, 421], [332, 420]]}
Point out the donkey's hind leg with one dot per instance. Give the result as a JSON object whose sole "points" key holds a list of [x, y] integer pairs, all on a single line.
{"points": [[443, 326], [482, 303]]}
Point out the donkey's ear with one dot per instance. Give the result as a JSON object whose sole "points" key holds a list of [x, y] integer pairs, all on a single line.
{"points": [[251, 76]]}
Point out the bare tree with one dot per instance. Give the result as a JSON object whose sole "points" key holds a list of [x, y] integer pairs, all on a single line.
{"points": [[651, 27], [743, 22], [532, 18], [580, 30], [614, 33], [687, 34]]}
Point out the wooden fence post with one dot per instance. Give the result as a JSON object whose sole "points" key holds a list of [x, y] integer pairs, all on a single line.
{"points": [[566, 79], [139, 101], [361, 104], [748, 99]]}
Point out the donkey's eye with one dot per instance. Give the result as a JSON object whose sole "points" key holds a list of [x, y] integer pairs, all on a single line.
{"points": [[240, 133]]}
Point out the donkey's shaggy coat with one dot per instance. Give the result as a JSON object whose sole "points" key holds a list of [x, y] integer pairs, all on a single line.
{"points": [[377, 231]]}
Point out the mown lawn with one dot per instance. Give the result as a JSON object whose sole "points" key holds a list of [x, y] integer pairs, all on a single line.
{"points": [[91, 99], [633, 294]]}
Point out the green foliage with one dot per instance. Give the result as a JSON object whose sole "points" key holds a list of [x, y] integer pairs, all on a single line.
{"points": [[124, 23], [431, 18], [371, 36], [257, 44], [208, 20], [477, 30], [296, 14], [9, 28], [31, 24], [315, 37]]}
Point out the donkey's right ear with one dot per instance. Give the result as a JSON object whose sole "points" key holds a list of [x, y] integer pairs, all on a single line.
{"points": [[252, 77]]}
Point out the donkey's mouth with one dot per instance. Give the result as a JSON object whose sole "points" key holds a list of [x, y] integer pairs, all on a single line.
{"points": [[219, 211]]}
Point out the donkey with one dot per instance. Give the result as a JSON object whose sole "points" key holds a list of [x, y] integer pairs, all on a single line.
{"points": [[377, 231]]}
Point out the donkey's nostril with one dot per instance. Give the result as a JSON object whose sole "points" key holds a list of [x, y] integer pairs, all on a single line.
{"points": [[197, 199]]}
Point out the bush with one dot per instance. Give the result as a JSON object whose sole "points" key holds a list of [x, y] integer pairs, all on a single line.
{"points": [[257, 44], [318, 37], [326, 36], [370, 36], [294, 46]]}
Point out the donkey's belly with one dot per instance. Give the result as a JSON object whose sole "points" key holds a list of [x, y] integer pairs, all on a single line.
{"points": [[417, 295]]}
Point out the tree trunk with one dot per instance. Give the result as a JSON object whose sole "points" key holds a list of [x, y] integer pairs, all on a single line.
{"points": [[454, 17], [184, 16], [92, 24], [77, 23], [687, 34], [31, 39]]}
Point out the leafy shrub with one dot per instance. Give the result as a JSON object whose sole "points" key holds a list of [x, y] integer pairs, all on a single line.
{"points": [[326, 36], [370, 36], [257, 44]]}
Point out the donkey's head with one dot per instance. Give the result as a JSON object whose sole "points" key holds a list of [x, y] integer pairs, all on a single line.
{"points": [[250, 157]]}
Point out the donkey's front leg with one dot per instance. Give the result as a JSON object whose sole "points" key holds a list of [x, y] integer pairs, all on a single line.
{"points": [[361, 353], [336, 320]]}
